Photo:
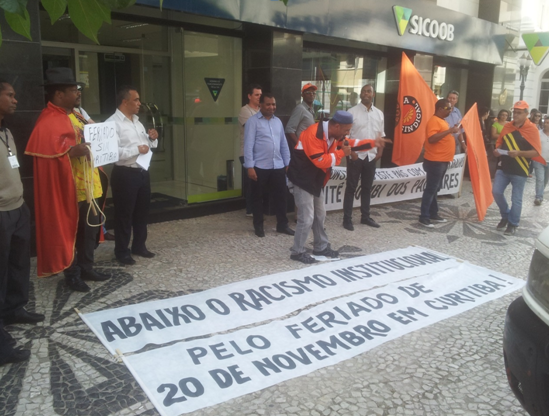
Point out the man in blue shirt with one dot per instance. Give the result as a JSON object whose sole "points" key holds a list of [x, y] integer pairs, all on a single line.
{"points": [[266, 157], [453, 119]]}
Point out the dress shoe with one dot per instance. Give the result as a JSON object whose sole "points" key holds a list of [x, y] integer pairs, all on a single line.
{"points": [[287, 230], [108, 236], [76, 283], [259, 232], [144, 253], [327, 252], [370, 222], [128, 260], [7, 338], [303, 258], [348, 225], [94, 276], [14, 356], [22, 316]]}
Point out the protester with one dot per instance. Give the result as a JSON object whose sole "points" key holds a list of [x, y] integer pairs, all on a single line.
{"points": [[131, 183], [320, 148], [497, 126], [439, 152], [453, 119], [517, 144], [250, 109], [15, 235], [266, 156], [64, 186], [368, 123]]}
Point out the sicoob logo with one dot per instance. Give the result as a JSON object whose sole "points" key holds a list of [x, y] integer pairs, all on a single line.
{"points": [[411, 114]]}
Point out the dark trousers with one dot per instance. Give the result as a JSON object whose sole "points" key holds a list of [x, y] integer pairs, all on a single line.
{"points": [[14, 260], [86, 241], [435, 172], [246, 187], [365, 171], [273, 182], [131, 194]]}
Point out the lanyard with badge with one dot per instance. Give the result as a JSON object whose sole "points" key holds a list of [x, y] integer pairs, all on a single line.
{"points": [[11, 157]]}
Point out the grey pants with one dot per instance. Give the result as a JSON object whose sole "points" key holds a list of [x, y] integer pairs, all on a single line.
{"points": [[311, 213]]}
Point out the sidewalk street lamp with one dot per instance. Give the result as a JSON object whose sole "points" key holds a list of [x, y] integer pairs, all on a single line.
{"points": [[524, 66]]}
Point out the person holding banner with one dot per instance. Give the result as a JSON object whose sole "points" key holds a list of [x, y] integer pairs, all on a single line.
{"points": [[131, 183], [368, 122], [439, 152], [517, 144], [65, 185], [319, 149]]}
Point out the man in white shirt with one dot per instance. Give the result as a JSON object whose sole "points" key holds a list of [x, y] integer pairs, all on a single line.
{"points": [[250, 109], [368, 124], [131, 185]]}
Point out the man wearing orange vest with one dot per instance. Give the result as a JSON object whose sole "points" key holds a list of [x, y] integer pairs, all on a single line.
{"points": [[517, 144]]}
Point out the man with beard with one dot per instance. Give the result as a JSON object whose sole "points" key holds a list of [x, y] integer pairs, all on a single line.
{"points": [[64, 186]]}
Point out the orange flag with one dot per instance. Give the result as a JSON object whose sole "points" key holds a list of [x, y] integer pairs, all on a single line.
{"points": [[415, 106], [478, 162]]}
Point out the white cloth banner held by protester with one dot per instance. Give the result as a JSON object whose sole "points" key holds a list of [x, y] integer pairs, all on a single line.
{"points": [[393, 184], [191, 375], [130, 328], [103, 140]]}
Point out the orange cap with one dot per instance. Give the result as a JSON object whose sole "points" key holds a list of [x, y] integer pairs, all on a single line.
{"points": [[307, 86], [521, 105]]}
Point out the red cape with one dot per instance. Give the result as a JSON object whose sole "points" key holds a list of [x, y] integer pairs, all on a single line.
{"points": [[55, 205], [529, 131]]}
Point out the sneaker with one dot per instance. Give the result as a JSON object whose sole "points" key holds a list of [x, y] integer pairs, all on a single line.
{"points": [[502, 224], [510, 230], [537, 202], [426, 223], [303, 258], [436, 218], [327, 252]]}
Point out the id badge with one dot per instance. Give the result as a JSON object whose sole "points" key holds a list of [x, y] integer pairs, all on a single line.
{"points": [[13, 162]]}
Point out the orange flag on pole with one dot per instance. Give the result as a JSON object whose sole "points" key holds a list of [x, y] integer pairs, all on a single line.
{"points": [[478, 162], [415, 106]]}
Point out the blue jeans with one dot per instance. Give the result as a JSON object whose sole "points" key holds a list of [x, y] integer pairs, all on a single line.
{"points": [[542, 176], [501, 181], [435, 174]]}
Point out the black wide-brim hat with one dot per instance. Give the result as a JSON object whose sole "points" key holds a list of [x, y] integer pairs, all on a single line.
{"points": [[61, 76]]}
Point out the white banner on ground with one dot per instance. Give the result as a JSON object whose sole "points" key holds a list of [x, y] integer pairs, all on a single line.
{"points": [[191, 375], [103, 140], [393, 184], [131, 327]]}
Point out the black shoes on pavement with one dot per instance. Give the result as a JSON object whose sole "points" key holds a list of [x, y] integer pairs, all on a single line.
{"points": [[127, 260], [348, 225], [94, 276], [22, 316], [286, 230], [14, 355], [143, 253], [260, 232], [369, 222], [303, 258], [502, 225], [327, 252]]}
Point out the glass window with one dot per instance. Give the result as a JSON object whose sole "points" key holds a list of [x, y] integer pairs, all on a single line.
{"points": [[339, 78], [213, 84]]}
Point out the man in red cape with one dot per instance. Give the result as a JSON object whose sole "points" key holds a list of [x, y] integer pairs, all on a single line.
{"points": [[64, 240], [517, 144]]}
